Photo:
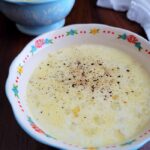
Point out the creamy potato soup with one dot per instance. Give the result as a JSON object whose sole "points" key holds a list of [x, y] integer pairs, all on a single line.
{"points": [[90, 95]]}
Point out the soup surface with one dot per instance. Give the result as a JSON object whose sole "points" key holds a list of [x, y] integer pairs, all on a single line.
{"points": [[90, 95]]}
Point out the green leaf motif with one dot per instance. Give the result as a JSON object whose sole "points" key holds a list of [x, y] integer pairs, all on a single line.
{"points": [[72, 32], [123, 36], [49, 136], [48, 41], [33, 49], [15, 90], [138, 45], [30, 120], [128, 143]]}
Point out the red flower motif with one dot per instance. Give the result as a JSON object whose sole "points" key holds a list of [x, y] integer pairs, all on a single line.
{"points": [[39, 43], [37, 129], [132, 39]]}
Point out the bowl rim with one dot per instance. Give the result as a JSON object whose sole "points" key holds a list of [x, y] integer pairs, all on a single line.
{"points": [[16, 115], [22, 2]]}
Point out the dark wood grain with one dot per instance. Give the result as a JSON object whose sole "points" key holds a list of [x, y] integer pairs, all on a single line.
{"points": [[12, 137]]}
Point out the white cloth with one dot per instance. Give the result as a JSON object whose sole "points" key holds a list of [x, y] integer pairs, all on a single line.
{"points": [[138, 10], [119, 5]]}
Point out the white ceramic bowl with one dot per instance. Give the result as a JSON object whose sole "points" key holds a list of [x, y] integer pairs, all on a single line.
{"points": [[24, 64]]}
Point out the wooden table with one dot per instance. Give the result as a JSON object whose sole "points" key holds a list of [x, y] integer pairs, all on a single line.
{"points": [[12, 137]]}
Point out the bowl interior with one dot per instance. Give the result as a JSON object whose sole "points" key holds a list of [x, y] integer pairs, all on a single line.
{"points": [[38, 49]]}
